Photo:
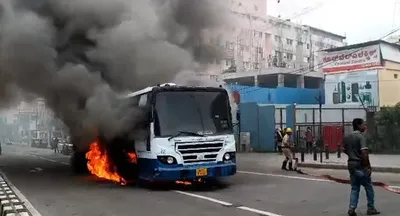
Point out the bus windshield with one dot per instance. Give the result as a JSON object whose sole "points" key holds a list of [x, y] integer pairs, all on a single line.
{"points": [[201, 112]]}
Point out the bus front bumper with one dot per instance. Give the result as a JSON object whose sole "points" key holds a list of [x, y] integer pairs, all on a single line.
{"points": [[194, 172]]}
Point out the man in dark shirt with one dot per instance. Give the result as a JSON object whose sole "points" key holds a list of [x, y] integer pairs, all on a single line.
{"points": [[355, 146]]}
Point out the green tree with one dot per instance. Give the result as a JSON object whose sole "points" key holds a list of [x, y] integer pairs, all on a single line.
{"points": [[388, 130]]}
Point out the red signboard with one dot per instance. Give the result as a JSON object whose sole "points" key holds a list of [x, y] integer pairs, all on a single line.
{"points": [[352, 59]]}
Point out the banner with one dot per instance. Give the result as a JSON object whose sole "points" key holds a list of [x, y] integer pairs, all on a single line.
{"points": [[352, 59], [359, 87]]}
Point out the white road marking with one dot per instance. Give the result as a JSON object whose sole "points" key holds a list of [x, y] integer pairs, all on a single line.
{"points": [[260, 212], [26, 202], [294, 177], [206, 198], [227, 204]]}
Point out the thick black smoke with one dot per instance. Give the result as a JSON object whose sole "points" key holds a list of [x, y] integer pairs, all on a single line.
{"points": [[79, 54]]}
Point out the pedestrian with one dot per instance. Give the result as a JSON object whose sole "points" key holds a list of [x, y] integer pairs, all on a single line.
{"points": [[287, 150], [57, 142], [279, 137], [309, 140], [355, 146], [54, 144]]}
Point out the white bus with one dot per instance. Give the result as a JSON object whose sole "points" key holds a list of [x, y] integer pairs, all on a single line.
{"points": [[190, 133]]}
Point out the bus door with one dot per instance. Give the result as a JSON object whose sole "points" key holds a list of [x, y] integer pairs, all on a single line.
{"points": [[143, 146]]}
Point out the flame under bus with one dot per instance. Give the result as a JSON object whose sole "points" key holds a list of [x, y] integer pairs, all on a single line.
{"points": [[190, 133]]}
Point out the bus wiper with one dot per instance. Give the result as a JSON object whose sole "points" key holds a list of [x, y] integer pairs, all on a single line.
{"points": [[185, 132]]}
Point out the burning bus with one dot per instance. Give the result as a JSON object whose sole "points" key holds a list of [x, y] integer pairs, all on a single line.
{"points": [[189, 137]]}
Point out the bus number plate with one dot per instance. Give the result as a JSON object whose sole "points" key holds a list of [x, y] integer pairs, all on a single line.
{"points": [[201, 172]]}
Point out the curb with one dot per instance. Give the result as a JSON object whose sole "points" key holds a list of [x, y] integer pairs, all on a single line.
{"points": [[344, 167], [10, 204]]}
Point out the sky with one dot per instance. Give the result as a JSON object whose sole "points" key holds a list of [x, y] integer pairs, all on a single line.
{"points": [[358, 20]]}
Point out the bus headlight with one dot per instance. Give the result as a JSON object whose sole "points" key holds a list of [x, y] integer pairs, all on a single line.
{"points": [[170, 160], [227, 156]]}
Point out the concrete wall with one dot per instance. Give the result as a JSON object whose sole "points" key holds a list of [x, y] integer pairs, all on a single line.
{"points": [[389, 85]]}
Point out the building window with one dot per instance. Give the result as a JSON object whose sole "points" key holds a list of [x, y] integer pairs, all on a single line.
{"points": [[308, 46], [255, 8], [256, 65], [229, 45], [289, 41], [395, 76], [258, 34], [289, 56], [228, 62], [299, 43], [277, 38], [278, 54]]}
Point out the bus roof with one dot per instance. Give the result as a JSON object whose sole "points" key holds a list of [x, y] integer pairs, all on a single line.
{"points": [[169, 86], [145, 90]]}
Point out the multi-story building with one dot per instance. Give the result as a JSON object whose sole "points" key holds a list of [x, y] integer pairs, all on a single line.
{"points": [[31, 120], [271, 52]]}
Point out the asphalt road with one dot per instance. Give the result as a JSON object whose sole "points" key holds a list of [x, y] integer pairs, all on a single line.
{"points": [[44, 179]]}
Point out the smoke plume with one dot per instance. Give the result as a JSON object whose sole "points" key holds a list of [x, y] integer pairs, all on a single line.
{"points": [[79, 54]]}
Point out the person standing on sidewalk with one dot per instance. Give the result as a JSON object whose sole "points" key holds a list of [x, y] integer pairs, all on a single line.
{"points": [[287, 150], [309, 140], [355, 146]]}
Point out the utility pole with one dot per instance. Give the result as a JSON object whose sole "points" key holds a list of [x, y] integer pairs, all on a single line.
{"points": [[320, 123], [320, 142]]}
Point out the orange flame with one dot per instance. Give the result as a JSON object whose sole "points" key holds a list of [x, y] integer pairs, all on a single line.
{"points": [[99, 164], [132, 157]]}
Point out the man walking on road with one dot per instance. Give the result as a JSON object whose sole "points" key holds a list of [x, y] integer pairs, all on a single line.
{"points": [[55, 144], [286, 149], [355, 146]]}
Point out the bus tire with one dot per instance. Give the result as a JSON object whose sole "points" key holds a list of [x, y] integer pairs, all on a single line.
{"points": [[78, 163]]}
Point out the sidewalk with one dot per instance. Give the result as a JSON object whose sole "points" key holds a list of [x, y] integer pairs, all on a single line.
{"points": [[380, 163]]}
